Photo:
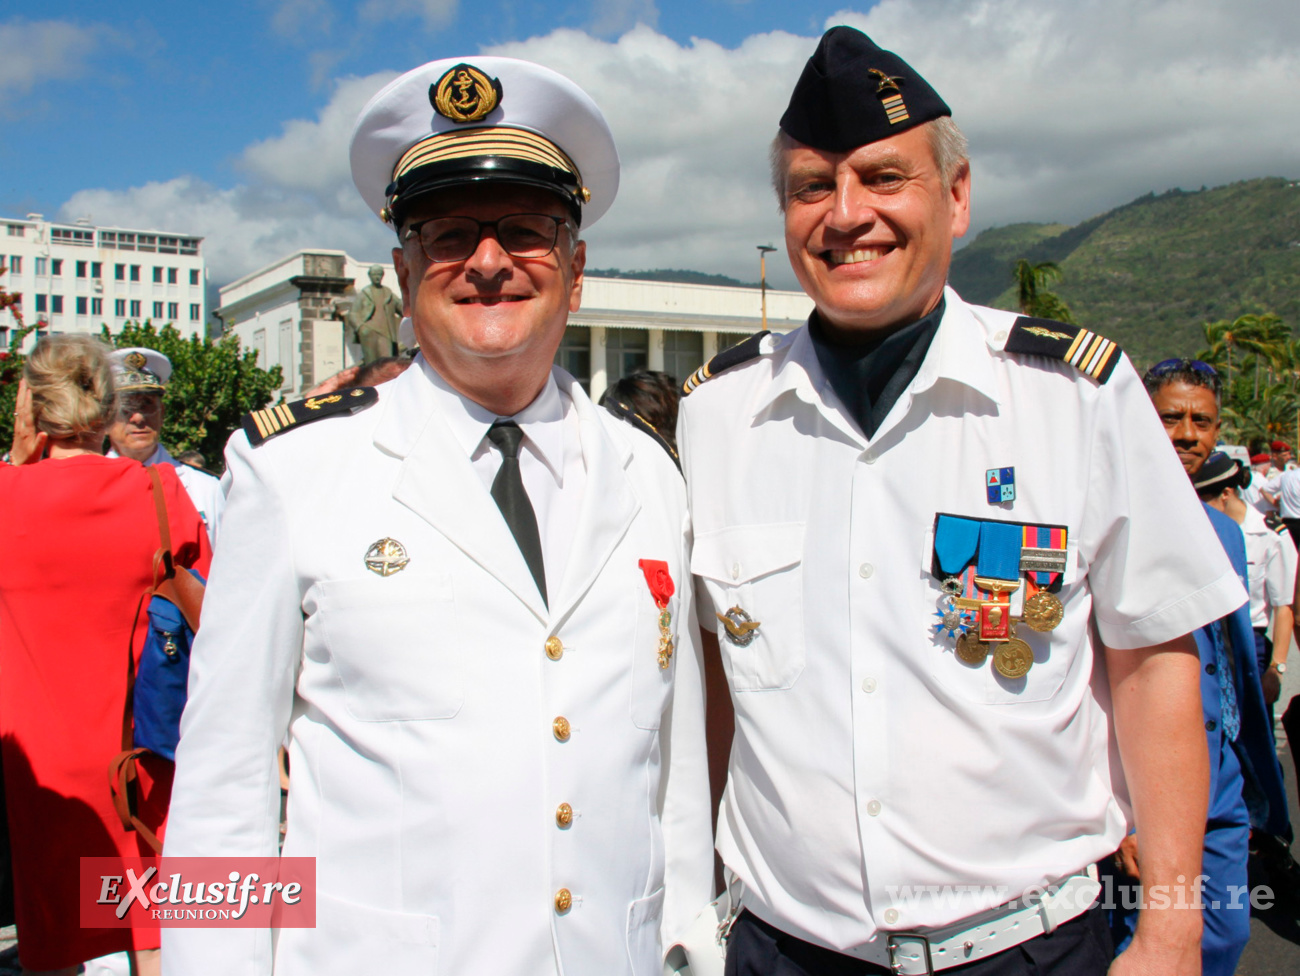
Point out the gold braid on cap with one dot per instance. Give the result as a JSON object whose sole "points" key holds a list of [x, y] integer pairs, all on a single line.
{"points": [[487, 141]]}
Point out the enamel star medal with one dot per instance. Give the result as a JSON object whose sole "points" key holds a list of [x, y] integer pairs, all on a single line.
{"points": [[661, 590]]}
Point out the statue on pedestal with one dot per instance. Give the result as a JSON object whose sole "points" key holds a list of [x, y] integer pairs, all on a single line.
{"points": [[374, 318]]}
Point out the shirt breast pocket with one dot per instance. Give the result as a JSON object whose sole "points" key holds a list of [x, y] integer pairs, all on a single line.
{"points": [[753, 575], [395, 644]]}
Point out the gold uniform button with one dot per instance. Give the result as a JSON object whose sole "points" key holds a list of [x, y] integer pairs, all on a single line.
{"points": [[562, 728], [563, 901], [563, 815], [554, 648]]}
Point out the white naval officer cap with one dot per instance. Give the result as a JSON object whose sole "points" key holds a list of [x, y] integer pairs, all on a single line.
{"points": [[456, 121], [139, 369]]}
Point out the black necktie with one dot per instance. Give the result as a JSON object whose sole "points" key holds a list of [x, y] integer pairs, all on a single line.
{"points": [[510, 496]]}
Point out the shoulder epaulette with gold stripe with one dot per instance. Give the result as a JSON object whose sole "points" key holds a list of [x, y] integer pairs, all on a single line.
{"points": [[741, 352], [260, 425], [1089, 353], [625, 412]]}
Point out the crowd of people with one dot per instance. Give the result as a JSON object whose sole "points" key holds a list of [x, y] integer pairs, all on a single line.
{"points": [[913, 614]]}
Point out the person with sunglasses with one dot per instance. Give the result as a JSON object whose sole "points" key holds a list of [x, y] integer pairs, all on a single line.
{"points": [[465, 596]]}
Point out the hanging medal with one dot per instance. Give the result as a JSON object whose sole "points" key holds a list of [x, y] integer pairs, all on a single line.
{"points": [[661, 590], [955, 543], [1043, 560]]}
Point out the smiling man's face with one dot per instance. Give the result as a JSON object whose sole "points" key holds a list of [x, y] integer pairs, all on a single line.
{"points": [[490, 311], [870, 232]]}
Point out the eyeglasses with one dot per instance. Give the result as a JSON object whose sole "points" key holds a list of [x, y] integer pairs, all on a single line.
{"points": [[145, 404], [456, 238], [1182, 366]]}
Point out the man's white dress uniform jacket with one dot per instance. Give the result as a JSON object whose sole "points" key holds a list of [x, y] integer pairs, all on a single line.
{"points": [[428, 769], [877, 783]]}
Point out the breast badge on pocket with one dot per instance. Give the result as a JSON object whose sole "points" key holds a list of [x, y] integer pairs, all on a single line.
{"points": [[980, 565]]}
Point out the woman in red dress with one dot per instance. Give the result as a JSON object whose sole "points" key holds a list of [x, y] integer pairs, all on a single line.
{"points": [[78, 532]]}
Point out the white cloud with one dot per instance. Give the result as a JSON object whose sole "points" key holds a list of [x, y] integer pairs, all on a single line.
{"points": [[1071, 109], [613, 17], [43, 50], [435, 13]]}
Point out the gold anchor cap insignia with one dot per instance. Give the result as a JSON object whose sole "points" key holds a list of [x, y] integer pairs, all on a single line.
{"points": [[135, 360], [465, 94], [741, 627], [386, 557]]}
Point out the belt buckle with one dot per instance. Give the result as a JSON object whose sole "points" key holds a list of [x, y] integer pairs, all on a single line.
{"points": [[896, 965]]}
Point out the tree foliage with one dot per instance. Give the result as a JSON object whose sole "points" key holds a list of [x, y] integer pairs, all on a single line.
{"points": [[1259, 363], [213, 384], [1032, 281]]}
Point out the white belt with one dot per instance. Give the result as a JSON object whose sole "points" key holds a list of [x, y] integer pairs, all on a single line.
{"points": [[986, 934]]}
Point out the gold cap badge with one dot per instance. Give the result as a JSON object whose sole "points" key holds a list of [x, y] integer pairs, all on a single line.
{"points": [[465, 94], [135, 360]]}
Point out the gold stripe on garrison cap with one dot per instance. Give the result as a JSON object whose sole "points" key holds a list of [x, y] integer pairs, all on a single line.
{"points": [[1091, 354], [742, 352], [261, 425]]}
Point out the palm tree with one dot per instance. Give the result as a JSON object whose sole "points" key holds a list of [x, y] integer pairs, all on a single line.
{"points": [[1031, 283]]}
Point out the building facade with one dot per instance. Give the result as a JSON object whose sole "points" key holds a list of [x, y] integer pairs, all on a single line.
{"points": [[291, 313], [78, 277]]}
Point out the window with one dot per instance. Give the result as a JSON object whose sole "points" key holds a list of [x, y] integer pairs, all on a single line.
{"points": [[56, 266], [42, 266], [41, 303], [97, 269], [135, 310], [194, 276], [171, 276], [16, 264], [626, 351], [157, 276], [82, 306], [173, 311], [135, 272], [158, 310], [574, 354], [196, 313], [56, 304], [81, 269], [119, 272], [119, 306], [683, 353], [66, 235], [97, 306], [16, 230]]}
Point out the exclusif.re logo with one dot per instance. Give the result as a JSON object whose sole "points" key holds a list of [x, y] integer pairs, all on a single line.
{"points": [[465, 94]]}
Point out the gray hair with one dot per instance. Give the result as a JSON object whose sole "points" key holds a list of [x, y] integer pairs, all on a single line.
{"points": [[947, 144]]}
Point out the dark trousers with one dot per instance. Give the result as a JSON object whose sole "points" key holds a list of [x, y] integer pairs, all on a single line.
{"points": [[1080, 947], [1293, 526]]}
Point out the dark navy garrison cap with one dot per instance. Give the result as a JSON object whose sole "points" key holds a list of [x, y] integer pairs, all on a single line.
{"points": [[852, 92], [1218, 472]]}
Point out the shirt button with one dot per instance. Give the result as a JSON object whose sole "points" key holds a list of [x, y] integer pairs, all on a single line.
{"points": [[1000, 336], [869, 457], [561, 728], [735, 570], [868, 685], [563, 901], [1210, 726], [891, 916], [1210, 669], [554, 648], [563, 815], [865, 570], [873, 808]]}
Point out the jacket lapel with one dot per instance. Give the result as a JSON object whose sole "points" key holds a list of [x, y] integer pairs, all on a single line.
{"points": [[608, 502], [438, 484]]}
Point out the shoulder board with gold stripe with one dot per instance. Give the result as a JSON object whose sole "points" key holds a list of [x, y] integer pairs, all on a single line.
{"points": [[625, 412], [742, 352], [261, 425], [1086, 351]]}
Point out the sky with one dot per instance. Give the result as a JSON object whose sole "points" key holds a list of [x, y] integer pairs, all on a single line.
{"points": [[232, 121]]}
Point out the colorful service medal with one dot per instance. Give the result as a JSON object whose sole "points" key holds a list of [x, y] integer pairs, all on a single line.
{"points": [[955, 542], [660, 583], [1043, 560], [998, 572]]}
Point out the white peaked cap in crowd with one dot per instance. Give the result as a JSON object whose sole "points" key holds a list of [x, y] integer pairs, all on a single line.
{"points": [[138, 368]]}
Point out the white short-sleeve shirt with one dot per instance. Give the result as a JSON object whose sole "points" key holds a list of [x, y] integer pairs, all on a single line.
{"points": [[1272, 565], [876, 781]]}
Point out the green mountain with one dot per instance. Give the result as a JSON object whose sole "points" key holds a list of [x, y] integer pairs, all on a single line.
{"points": [[1149, 274], [672, 274]]}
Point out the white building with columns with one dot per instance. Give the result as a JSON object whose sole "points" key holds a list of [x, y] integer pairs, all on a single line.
{"points": [[289, 312], [76, 277]]}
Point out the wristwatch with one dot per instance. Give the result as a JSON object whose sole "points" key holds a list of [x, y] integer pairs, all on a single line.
{"points": [[1280, 666]]}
